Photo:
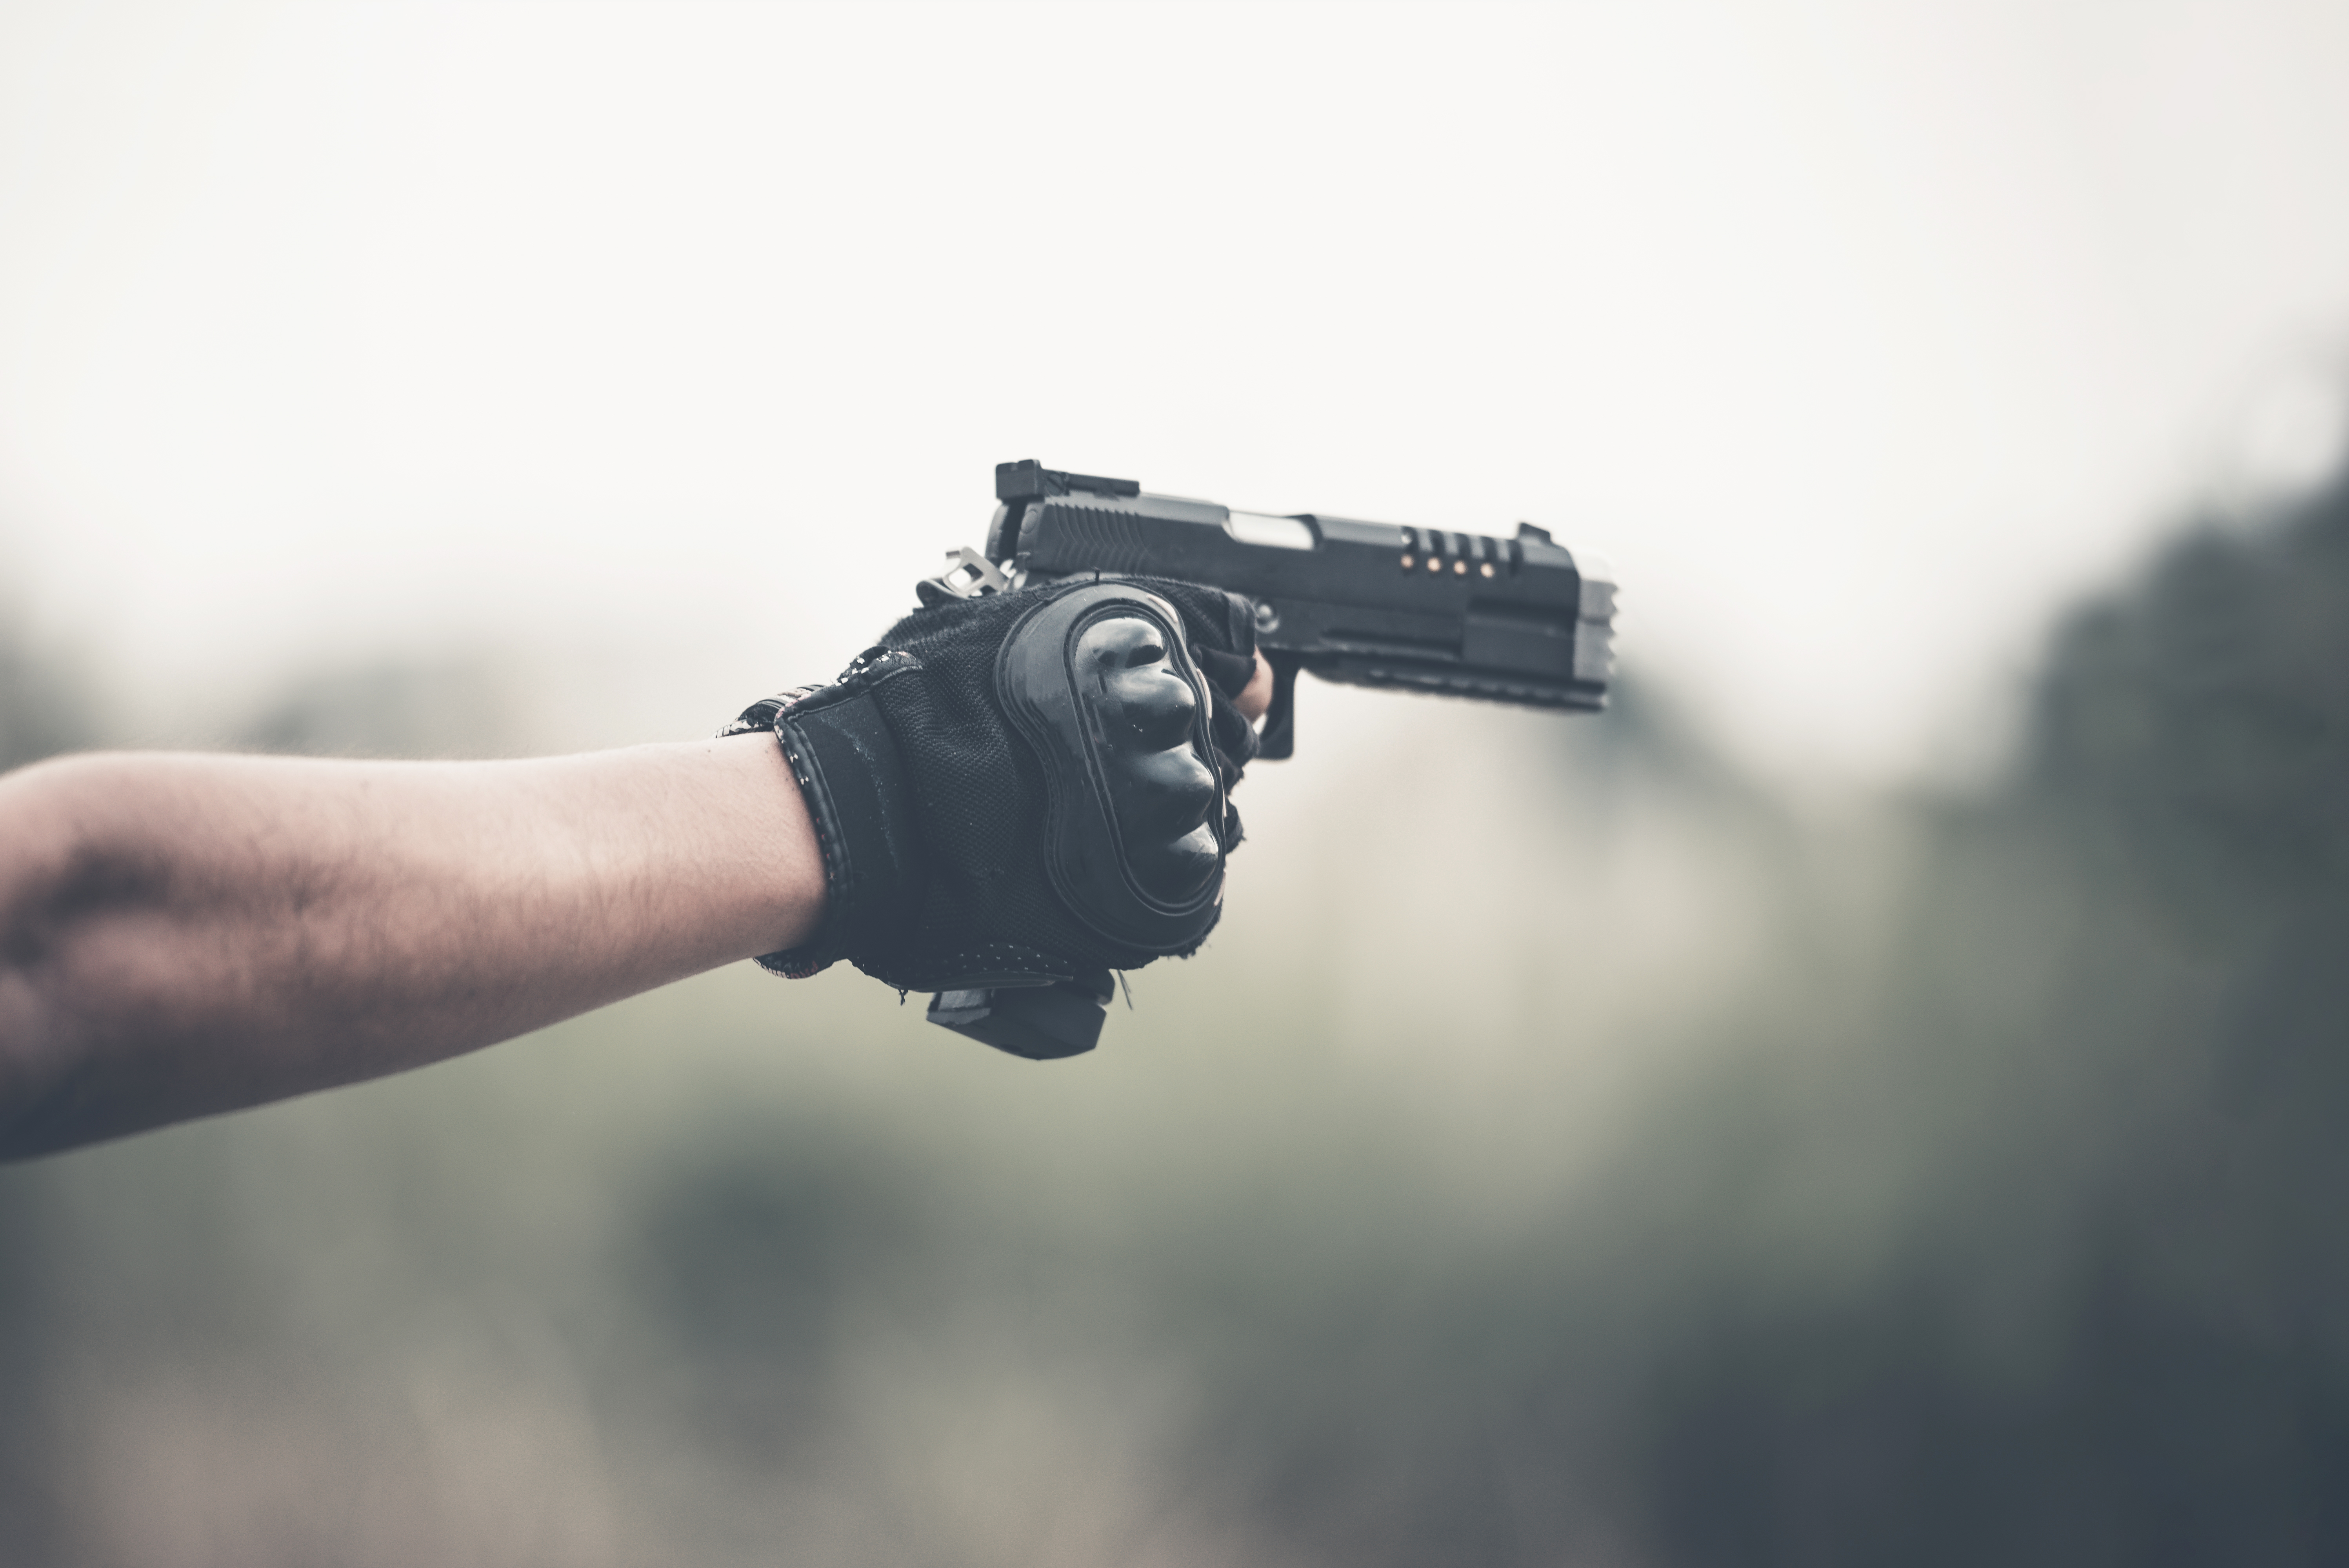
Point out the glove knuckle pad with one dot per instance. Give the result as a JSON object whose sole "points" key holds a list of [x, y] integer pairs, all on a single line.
{"points": [[1100, 685]]}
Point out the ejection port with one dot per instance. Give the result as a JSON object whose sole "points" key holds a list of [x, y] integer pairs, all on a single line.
{"points": [[1272, 533]]}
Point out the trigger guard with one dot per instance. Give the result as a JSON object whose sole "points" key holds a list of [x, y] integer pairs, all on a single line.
{"points": [[1085, 855]]}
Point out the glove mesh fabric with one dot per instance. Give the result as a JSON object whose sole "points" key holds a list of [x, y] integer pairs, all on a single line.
{"points": [[974, 907]]}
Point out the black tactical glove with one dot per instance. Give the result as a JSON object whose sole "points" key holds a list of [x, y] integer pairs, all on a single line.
{"points": [[1025, 789]]}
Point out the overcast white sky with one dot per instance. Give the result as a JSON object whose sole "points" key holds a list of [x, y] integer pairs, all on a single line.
{"points": [[1857, 335]]}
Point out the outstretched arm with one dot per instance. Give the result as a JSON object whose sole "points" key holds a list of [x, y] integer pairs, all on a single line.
{"points": [[182, 934]]}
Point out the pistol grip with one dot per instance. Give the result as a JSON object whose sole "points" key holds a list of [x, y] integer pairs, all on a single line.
{"points": [[1042, 1023]]}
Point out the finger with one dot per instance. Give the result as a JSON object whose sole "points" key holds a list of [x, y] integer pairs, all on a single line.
{"points": [[1228, 673], [1256, 696]]}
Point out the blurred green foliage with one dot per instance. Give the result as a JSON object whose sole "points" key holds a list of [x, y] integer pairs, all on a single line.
{"points": [[1648, 1168]]}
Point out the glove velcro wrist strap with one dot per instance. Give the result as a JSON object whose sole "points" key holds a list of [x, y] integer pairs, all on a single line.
{"points": [[841, 750]]}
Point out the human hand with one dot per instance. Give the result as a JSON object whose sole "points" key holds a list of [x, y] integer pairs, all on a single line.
{"points": [[1017, 789]]}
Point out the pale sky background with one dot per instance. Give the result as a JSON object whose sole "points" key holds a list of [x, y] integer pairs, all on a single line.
{"points": [[1857, 336]]}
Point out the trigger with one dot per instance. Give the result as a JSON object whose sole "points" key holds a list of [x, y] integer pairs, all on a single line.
{"points": [[1277, 741]]}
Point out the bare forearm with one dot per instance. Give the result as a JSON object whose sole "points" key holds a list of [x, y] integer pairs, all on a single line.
{"points": [[181, 935]]}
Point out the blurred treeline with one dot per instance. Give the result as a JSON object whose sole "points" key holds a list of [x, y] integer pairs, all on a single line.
{"points": [[1572, 1152]]}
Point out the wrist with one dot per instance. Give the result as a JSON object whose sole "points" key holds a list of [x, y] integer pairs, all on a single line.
{"points": [[853, 792]]}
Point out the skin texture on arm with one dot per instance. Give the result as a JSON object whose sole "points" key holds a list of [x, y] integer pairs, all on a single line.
{"points": [[182, 935]]}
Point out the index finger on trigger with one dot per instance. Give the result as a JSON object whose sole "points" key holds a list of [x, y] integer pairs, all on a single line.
{"points": [[1256, 696]]}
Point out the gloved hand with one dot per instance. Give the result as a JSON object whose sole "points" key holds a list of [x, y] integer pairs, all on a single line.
{"points": [[1024, 787]]}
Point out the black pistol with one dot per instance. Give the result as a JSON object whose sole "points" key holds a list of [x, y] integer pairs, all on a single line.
{"points": [[1515, 620]]}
